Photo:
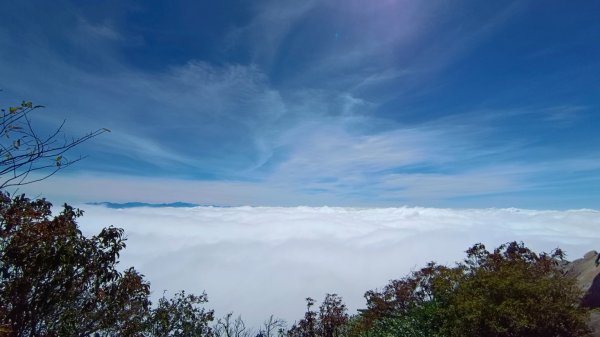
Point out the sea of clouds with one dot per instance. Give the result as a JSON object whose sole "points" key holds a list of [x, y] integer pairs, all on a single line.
{"points": [[258, 261]]}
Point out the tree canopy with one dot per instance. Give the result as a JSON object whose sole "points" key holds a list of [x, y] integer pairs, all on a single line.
{"points": [[329, 321], [54, 281], [510, 291]]}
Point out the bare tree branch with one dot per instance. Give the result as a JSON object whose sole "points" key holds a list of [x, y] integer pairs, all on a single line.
{"points": [[24, 151]]}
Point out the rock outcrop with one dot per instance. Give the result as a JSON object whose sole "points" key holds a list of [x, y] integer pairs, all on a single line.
{"points": [[587, 275]]}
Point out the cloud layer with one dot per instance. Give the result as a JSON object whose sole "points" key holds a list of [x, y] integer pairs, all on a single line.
{"points": [[259, 261]]}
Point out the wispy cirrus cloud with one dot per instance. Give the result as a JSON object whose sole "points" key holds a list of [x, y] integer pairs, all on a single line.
{"points": [[322, 111]]}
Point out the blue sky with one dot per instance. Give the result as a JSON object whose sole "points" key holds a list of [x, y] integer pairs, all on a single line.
{"points": [[354, 103]]}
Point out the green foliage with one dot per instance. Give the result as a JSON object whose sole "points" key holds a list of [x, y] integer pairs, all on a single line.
{"points": [[514, 292], [511, 291], [54, 281], [419, 322], [180, 316]]}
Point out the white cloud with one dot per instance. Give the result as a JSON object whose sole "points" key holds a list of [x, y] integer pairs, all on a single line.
{"points": [[419, 186], [102, 30], [330, 150], [262, 260]]}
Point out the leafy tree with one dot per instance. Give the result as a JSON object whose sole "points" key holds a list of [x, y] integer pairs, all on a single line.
{"points": [[510, 291], [406, 307], [332, 316], [181, 316], [513, 291], [307, 326], [23, 150], [53, 280], [330, 321], [56, 282]]}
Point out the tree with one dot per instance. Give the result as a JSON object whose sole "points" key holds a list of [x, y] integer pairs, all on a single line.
{"points": [[407, 307], [272, 327], [307, 326], [510, 291], [332, 316], [228, 327], [24, 151], [330, 321], [56, 282], [513, 291], [180, 316]]}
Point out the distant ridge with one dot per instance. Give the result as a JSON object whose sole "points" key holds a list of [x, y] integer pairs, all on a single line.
{"points": [[117, 205]]}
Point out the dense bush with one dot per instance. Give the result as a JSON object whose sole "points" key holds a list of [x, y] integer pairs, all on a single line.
{"points": [[510, 291]]}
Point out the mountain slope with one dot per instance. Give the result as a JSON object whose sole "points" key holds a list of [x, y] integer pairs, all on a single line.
{"points": [[588, 277]]}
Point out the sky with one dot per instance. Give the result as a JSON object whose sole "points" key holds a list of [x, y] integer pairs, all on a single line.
{"points": [[350, 141], [334, 102]]}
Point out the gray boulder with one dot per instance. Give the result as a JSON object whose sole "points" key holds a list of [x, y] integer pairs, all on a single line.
{"points": [[588, 278]]}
